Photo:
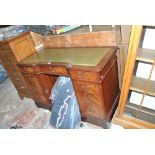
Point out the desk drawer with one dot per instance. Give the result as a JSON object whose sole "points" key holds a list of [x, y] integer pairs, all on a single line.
{"points": [[82, 75], [54, 70]]}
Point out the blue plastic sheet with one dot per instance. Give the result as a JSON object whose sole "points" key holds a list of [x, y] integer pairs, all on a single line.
{"points": [[65, 110], [3, 74]]}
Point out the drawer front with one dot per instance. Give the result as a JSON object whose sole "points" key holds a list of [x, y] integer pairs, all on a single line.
{"points": [[82, 75], [53, 70]]}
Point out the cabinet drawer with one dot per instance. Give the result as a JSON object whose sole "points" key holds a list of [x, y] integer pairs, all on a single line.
{"points": [[82, 75], [54, 70]]}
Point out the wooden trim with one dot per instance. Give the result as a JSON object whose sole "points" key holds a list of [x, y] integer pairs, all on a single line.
{"points": [[143, 109], [146, 55], [106, 37], [138, 123], [146, 88], [125, 33], [138, 84], [113, 109], [124, 123], [121, 66], [130, 62], [131, 122], [37, 38]]}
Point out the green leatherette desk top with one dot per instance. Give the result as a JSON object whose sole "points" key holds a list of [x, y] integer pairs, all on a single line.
{"points": [[73, 56]]}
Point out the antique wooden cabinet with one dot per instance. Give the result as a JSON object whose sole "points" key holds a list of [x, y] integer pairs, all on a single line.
{"points": [[93, 72], [12, 51]]}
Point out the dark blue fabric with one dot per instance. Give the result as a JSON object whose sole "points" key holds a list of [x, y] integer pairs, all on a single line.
{"points": [[65, 110], [3, 74]]}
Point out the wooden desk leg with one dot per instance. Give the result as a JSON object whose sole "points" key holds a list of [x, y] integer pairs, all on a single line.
{"points": [[41, 105]]}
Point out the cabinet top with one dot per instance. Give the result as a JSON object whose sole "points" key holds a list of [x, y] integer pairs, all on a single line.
{"points": [[88, 57]]}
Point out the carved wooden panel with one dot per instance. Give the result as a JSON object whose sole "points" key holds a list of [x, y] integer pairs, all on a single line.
{"points": [[89, 97], [23, 47], [35, 88]]}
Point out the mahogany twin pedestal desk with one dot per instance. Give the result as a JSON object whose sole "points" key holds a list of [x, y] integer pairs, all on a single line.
{"points": [[93, 72]]}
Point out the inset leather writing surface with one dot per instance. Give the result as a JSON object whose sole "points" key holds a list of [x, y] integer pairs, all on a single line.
{"points": [[72, 56]]}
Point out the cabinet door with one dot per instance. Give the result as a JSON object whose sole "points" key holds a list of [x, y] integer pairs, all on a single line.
{"points": [[90, 98]]}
